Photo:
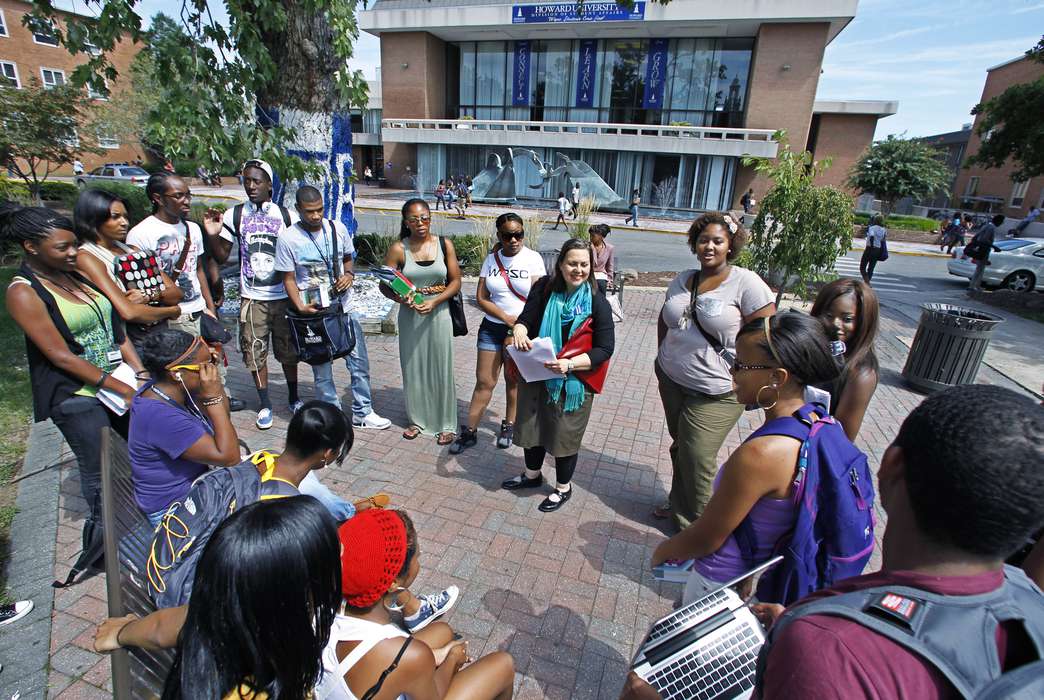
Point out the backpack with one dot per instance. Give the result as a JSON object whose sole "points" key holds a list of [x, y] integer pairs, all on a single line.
{"points": [[833, 534], [955, 634], [188, 524], [237, 217]]}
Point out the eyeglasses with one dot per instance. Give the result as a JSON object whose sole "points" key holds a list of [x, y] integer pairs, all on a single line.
{"points": [[418, 219], [193, 367], [508, 235], [179, 196], [738, 366]]}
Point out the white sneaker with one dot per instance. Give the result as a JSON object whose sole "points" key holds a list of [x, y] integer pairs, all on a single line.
{"points": [[15, 611], [264, 419], [372, 421]]}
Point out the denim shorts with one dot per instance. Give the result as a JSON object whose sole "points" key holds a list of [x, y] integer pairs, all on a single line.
{"points": [[491, 335]]}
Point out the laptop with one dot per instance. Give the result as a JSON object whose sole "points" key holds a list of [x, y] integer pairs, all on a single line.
{"points": [[706, 650]]}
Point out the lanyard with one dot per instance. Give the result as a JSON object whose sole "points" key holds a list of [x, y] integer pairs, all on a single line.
{"points": [[163, 395], [94, 306], [326, 261]]}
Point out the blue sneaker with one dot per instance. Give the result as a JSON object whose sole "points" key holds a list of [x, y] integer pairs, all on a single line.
{"points": [[264, 419], [432, 607]]}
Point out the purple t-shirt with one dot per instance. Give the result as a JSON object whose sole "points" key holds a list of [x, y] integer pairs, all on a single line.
{"points": [[159, 435]]}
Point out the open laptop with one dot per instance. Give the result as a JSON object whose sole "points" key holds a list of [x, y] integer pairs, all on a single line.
{"points": [[706, 650]]}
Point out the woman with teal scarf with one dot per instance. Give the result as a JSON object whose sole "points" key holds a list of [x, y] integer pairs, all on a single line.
{"points": [[553, 414]]}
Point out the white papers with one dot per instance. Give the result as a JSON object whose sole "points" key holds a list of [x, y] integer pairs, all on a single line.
{"points": [[531, 364], [112, 401]]}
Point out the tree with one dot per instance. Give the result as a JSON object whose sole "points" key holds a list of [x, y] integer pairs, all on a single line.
{"points": [[801, 228], [1011, 127], [42, 129], [274, 75], [896, 168]]}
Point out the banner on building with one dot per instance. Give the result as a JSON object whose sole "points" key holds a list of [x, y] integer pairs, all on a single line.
{"points": [[520, 82], [655, 75], [586, 73], [555, 12]]}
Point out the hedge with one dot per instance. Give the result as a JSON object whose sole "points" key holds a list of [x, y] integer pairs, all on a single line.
{"points": [[912, 223], [58, 191], [13, 191], [138, 205]]}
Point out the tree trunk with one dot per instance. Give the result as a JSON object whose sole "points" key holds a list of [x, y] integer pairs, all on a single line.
{"points": [[782, 287], [304, 98]]}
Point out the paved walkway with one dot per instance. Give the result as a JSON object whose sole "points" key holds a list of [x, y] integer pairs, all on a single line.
{"points": [[569, 594]]}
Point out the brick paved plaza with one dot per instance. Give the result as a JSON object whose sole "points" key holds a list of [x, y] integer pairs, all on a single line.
{"points": [[569, 594]]}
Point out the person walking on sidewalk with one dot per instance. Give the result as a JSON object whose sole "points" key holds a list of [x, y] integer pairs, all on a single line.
{"points": [[875, 244], [462, 197], [747, 201], [576, 199], [304, 257], [563, 209], [440, 195], [368, 175], [636, 199], [980, 248]]}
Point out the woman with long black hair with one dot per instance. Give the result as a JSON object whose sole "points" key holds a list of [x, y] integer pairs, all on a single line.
{"points": [[425, 328]]}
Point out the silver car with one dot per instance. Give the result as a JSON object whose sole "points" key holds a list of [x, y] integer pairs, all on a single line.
{"points": [[114, 172], [1019, 266]]}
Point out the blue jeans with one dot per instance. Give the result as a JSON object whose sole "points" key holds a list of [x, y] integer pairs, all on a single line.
{"points": [[339, 508], [358, 364], [634, 215]]}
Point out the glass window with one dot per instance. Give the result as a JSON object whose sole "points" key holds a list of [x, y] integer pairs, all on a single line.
{"points": [[467, 73], [52, 77], [43, 32], [108, 172], [9, 71], [732, 68], [554, 71], [688, 95], [3, 24], [626, 81], [1018, 194], [108, 140], [491, 86]]}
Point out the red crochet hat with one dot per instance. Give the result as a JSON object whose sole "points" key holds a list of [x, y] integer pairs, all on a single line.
{"points": [[374, 544]]}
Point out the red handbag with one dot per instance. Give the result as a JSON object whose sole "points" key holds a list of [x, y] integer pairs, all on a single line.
{"points": [[578, 344]]}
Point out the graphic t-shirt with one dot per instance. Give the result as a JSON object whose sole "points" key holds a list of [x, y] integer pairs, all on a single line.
{"points": [[310, 256], [522, 269], [259, 229], [159, 435], [166, 240]]}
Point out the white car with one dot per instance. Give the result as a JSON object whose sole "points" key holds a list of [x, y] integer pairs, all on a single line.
{"points": [[114, 172], [1019, 266]]}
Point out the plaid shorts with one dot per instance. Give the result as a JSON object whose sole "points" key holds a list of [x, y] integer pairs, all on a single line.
{"points": [[257, 321]]}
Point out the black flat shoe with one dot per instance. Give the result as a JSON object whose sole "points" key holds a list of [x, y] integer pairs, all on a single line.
{"points": [[465, 439], [521, 482], [555, 501], [235, 405]]}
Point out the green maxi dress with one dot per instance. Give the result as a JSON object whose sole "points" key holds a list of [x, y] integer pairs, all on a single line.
{"points": [[426, 353]]}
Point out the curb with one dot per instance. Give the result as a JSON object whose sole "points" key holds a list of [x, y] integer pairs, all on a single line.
{"points": [[914, 253]]}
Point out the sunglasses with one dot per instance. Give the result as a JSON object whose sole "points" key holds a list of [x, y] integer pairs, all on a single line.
{"points": [[193, 367], [517, 235], [418, 219], [738, 366]]}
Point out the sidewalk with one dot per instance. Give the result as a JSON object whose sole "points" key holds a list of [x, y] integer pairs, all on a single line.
{"points": [[569, 594]]}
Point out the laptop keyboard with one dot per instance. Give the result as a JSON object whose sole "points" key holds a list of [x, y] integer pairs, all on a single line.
{"points": [[720, 670], [683, 615]]}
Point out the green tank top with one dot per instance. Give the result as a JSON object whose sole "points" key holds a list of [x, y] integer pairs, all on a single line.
{"points": [[95, 338]]}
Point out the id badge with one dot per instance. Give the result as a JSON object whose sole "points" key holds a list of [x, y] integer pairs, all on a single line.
{"points": [[114, 356], [324, 295]]}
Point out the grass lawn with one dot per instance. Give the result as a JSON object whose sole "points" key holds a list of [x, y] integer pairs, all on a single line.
{"points": [[16, 410]]}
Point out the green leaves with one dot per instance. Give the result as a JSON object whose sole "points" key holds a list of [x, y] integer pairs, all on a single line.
{"points": [[898, 167], [1012, 129]]}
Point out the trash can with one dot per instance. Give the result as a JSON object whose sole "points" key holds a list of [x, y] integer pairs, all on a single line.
{"points": [[948, 347], [550, 257]]}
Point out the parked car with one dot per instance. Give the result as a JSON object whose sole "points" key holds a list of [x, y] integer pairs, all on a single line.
{"points": [[114, 172], [1019, 266]]}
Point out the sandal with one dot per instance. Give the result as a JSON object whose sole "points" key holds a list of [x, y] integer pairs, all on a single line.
{"points": [[378, 500], [411, 432], [663, 512], [443, 439]]}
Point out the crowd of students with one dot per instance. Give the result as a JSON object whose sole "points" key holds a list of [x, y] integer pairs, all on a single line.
{"points": [[281, 595]]}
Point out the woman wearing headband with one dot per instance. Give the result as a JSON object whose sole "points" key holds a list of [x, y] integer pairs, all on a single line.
{"points": [[776, 358], [179, 420]]}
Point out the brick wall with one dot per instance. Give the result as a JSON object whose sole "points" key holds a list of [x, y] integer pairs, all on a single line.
{"points": [[997, 182], [842, 137], [29, 57]]}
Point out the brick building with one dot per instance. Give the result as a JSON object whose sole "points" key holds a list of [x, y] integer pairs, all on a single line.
{"points": [[994, 190], [25, 54], [529, 99]]}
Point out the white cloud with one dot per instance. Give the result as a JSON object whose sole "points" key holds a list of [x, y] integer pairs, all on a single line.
{"points": [[1031, 8]]}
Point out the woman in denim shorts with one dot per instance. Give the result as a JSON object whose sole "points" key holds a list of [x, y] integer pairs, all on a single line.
{"points": [[504, 283]]}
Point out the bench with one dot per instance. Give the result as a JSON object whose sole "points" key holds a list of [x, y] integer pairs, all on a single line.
{"points": [[136, 673]]}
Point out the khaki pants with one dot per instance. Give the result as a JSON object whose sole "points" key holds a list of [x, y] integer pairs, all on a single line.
{"points": [[698, 424]]}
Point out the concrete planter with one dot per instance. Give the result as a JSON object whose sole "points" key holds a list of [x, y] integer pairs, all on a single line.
{"points": [[900, 234]]}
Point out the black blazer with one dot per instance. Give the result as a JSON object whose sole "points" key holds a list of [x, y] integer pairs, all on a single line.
{"points": [[604, 341]]}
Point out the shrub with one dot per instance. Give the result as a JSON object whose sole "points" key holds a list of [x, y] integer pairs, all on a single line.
{"points": [[58, 191], [138, 205], [472, 250], [913, 223], [14, 191], [371, 248]]}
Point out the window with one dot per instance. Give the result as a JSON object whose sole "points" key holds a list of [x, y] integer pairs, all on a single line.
{"points": [[107, 140], [52, 77], [10, 73], [43, 32], [109, 172], [97, 95], [1018, 194], [973, 186], [3, 24]]}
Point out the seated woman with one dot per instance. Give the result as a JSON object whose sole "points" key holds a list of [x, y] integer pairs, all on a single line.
{"points": [[264, 598], [179, 420], [776, 358], [849, 311], [101, 223], [604, 254], [370, 657]]}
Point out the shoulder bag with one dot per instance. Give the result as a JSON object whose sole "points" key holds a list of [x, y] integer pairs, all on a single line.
{"points": [[510, 368], [327, 335], [719, 349], [455, 303]]}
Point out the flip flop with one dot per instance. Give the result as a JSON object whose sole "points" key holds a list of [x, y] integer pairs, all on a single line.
{"points": [[663, 512], [378, 500], [445, 439], [411, 432]]}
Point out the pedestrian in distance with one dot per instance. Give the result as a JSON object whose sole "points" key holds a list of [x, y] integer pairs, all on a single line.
{"points": [[875, 246], [576, 199], [979, 249], [563, 209], [1021, 227], [440, 195], [470, 187], [636, 199], [368, 175], [77, 167], [747, 201], [461, 201], [505, 280]]}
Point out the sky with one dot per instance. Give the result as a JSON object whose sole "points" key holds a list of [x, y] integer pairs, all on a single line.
{"points": [[929, 55]]}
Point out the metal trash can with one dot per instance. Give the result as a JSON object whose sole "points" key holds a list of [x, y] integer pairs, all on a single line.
{"points": [[948, 347], [550, 257]]}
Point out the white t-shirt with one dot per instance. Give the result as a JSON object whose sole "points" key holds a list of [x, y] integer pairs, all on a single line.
{"points": [[875, 235], [165, 240], [576, 194], [523, 269], [259, 228], [310, 257], [563, 205]]}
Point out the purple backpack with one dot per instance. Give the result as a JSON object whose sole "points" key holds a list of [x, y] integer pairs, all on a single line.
{"points": [[833, 535]]}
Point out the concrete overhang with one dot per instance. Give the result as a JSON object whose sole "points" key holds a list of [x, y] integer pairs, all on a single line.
{"points": [[482, 20], [363, 139], [880, 108]]}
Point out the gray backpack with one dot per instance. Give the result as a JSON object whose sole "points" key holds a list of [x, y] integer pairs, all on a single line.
{"points": [[953, 633]]}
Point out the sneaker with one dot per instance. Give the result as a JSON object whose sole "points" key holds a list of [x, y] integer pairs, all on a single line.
{"points": [[466, 439], [15, 611], [296, 406], [235, 405], [372, 421], [432, 607], [264, 419], [507, 434]]}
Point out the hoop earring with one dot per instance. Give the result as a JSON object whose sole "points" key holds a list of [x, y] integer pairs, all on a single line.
{"points": [[395, 606], [757, 397]]}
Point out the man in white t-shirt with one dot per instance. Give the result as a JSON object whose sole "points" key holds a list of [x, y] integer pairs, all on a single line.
{"points": [[313, 275], [505, 279], [564, 206], [256, 226], [576, 198]]}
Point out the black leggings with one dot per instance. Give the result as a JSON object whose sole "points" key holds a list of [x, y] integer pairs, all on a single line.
{"points": [[564, 466]]}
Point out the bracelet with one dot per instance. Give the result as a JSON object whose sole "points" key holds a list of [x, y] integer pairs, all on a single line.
{"points": [[120, 631], [212, 401], [98, 384]]}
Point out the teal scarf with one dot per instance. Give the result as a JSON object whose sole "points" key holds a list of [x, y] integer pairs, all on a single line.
{"points": [[561, 309]]}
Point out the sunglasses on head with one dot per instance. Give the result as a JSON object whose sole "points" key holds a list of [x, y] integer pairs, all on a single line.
{"points": [[193, 367], [508, 235]]}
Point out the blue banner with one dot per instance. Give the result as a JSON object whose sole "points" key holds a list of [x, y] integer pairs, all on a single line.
{"points": [[655, 74], [555, 12], [520, 82], [586, 73]]}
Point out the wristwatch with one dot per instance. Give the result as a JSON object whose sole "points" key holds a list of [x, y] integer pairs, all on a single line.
{"points": [[569, 366]]}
